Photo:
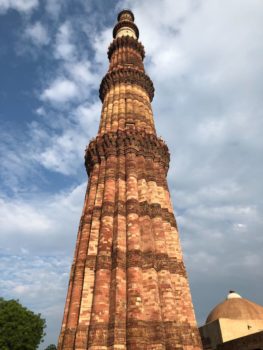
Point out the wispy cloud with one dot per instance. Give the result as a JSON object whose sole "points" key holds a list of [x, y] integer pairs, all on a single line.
{"points": [[37, 33], [41, 221], [60, 91], [64, 47], [205, 59], [206, 62], [33, 268], [39, 283], [53, 7], [19, 5]]}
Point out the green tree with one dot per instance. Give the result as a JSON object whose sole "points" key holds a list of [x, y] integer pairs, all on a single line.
{"points": [[20, 328], [51, 347]]}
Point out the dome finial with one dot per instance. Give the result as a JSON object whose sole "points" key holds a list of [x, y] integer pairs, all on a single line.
{"points": [[233, 295], [126, 15]]}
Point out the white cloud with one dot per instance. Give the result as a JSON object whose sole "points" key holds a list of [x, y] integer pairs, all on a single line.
{"points": [[60, 91], [53, 7], [206, 62], [87, 114], [100, 43], [45, 231], [41, 223], [75, 82], [19, 5], [64, 152], [40, 111], [28, 220], [37, 33], [64, 47], [205, 59], [75, 76], [39, 282], [81, 73]]}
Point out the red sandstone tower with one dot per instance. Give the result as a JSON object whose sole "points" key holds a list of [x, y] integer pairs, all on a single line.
{"points": [[128, 287]]}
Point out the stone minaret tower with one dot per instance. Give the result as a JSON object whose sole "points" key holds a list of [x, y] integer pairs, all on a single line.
{"points": [[128, 287]]}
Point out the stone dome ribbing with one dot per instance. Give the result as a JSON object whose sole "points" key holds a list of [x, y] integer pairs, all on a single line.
{"points": [[236, 308]]}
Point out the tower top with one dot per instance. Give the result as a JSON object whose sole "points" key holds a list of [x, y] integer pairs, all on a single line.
{"points": [[126, 14], [125, 25]]}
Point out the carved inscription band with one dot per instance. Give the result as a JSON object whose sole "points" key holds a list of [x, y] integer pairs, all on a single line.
{"points": [[131, 206], [127, 75], [133, 258], [126, 41], [122, 142], [139, 333]]}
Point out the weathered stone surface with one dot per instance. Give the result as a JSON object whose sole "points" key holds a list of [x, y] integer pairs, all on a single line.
{"points": [[130, 141], [124, 43], [250, 342], [128, 286], [127, 75]]}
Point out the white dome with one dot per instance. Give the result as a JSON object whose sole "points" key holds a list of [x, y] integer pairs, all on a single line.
{"points": [[233, 295]]}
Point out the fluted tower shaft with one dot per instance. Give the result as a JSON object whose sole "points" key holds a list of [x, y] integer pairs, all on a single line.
{"points": [[128, 286]]}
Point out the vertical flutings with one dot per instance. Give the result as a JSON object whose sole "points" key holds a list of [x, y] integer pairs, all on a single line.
{"points": [[128, 286]]}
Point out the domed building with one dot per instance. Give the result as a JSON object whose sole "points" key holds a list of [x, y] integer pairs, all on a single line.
{"points": [[234, 324]]}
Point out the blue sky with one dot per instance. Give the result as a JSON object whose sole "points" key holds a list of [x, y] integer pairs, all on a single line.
{"points": [[205, 59]]}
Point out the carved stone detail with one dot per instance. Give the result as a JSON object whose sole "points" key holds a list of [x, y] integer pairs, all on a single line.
{"points": [[126, 41], [127, 75], [131, 206], [128, 24], [128, 277], [135, 258], [123, 142], [140, 333]]}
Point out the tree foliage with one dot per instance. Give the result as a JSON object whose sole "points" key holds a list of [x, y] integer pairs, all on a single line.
{"points": [[20, 328], [51, 347]]}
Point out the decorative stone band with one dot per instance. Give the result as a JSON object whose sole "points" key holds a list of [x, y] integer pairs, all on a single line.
{"points": [[137, 334], [126, 41], [130, 207], [134, 258], [123, 142], [147, 176], [127, 75], [128, 24]]}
